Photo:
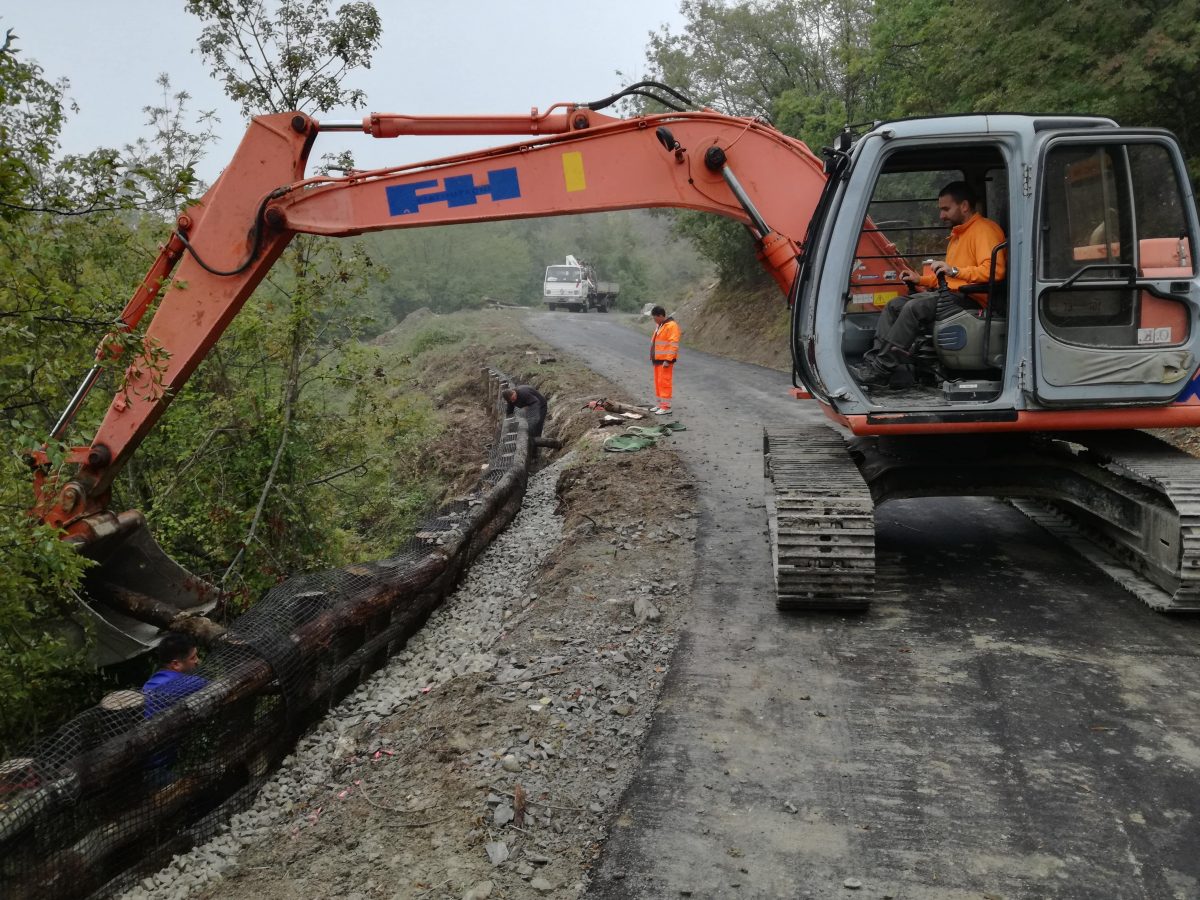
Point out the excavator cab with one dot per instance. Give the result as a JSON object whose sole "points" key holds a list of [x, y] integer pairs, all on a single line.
{"points": [[966, 349], [1100, 291]]}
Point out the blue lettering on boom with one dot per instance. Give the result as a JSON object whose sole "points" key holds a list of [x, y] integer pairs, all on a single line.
{"points": [[1192, 390], [457, 190]]}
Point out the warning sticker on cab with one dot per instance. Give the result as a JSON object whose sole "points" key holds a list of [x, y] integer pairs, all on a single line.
{"points": [[879, 299]]}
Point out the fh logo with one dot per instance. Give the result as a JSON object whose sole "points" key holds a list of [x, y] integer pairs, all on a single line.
{"points": [[459, 190], [1191, 392]]}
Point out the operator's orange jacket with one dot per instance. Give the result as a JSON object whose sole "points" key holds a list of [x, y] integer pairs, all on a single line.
{"points": [[970, 249], [665, 343]]}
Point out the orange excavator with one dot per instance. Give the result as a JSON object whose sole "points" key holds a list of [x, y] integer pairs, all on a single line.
{"points": [[1031, 387]]}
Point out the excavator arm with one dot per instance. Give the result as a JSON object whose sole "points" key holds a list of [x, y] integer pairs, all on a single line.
{"points": [[574, 160]]}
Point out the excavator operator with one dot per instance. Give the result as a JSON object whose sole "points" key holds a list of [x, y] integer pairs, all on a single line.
{"points": [[968, 261]]}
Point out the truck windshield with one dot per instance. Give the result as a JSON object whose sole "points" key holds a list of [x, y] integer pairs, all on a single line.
{"points": [[562, 273]]}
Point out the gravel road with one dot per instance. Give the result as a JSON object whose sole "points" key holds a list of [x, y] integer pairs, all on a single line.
{"points": [[1004, 722]]}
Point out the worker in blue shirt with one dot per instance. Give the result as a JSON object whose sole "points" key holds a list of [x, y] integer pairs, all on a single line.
{"points": [[177, 659]]}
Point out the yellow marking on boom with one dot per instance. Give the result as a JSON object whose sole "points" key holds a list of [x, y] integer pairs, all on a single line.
{"points": [[573, 171]]}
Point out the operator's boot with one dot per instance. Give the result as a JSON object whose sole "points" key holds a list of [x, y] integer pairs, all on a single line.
{"points": [[877, 347], [878, 364]]}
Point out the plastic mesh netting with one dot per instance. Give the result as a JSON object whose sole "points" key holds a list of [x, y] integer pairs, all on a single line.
{"points": [[117, 791]]}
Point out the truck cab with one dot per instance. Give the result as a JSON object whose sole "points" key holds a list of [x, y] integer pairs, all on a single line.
{"points": [[573, 286]]}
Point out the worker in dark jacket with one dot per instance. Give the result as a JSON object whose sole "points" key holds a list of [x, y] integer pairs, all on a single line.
{"points": [[529, 399]]}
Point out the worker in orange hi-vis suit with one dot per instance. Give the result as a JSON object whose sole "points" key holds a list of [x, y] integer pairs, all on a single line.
{"points": [[664, 351]]}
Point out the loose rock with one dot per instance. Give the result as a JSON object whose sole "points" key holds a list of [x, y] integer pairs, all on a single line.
{"points": [[497, 852]]}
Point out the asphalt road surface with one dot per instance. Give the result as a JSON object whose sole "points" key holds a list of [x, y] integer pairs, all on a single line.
{"points": [[1004, 723]]}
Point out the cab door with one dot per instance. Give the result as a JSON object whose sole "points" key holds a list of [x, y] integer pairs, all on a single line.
{"points": [[1116, 297]]}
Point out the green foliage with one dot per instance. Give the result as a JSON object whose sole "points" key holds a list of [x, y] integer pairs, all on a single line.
{"points": [[741, 57], [430, 336], [163, 166], [287, 55], [464, 266], [1137, 62], [49, 271], [43, 668]]}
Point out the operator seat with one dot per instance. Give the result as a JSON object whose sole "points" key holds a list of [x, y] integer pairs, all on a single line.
{"points": [[972, 336]]}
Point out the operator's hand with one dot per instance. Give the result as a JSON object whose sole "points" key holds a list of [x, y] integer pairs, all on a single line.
{"points": [[909, 277], [939, 266], [666, 363]]}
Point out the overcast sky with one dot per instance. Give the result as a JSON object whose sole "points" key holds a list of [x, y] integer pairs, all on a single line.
{"points": [[438, 57]]}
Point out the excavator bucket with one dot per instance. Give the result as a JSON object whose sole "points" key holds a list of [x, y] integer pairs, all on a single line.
{"points": [[135, 590]]}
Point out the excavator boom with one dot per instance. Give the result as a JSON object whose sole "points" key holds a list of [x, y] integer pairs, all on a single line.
{"points": [[1090, 328], [571, 159], [224, 246]]}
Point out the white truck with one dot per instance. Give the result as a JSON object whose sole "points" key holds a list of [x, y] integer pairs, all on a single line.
{"points": [[573, 286]]}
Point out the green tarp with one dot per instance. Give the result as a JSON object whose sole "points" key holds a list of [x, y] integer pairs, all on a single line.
{"points": [[638, 437]]}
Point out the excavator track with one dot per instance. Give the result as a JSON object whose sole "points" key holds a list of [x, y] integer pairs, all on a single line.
{"points": [[1154, 552], [822, 520], [1126, 501]]}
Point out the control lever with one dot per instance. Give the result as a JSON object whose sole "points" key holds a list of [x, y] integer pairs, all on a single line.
{"points": [[947, 304]]}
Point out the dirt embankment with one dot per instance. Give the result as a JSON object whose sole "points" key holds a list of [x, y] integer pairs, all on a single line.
{"points": [[749, 325]]}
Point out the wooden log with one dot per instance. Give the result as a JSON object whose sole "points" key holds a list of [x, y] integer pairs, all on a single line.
{"points": [[549, 443], [16, 774], [616, 406], [123, 710], [148, 609]]}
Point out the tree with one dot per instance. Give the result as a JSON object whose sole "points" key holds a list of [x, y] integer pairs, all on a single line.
{"points": [[296, 58], [42, 655], [741, 58], [277, 57], [75, 233], [162, 167], [797, 63], [1138, 62]]}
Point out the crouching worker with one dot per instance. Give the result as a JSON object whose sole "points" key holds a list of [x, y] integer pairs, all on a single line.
{"points": [[177, 659], [529, 399]]}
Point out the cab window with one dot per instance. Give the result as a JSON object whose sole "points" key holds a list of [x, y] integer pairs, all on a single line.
{"points": [[1113, 212]]}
